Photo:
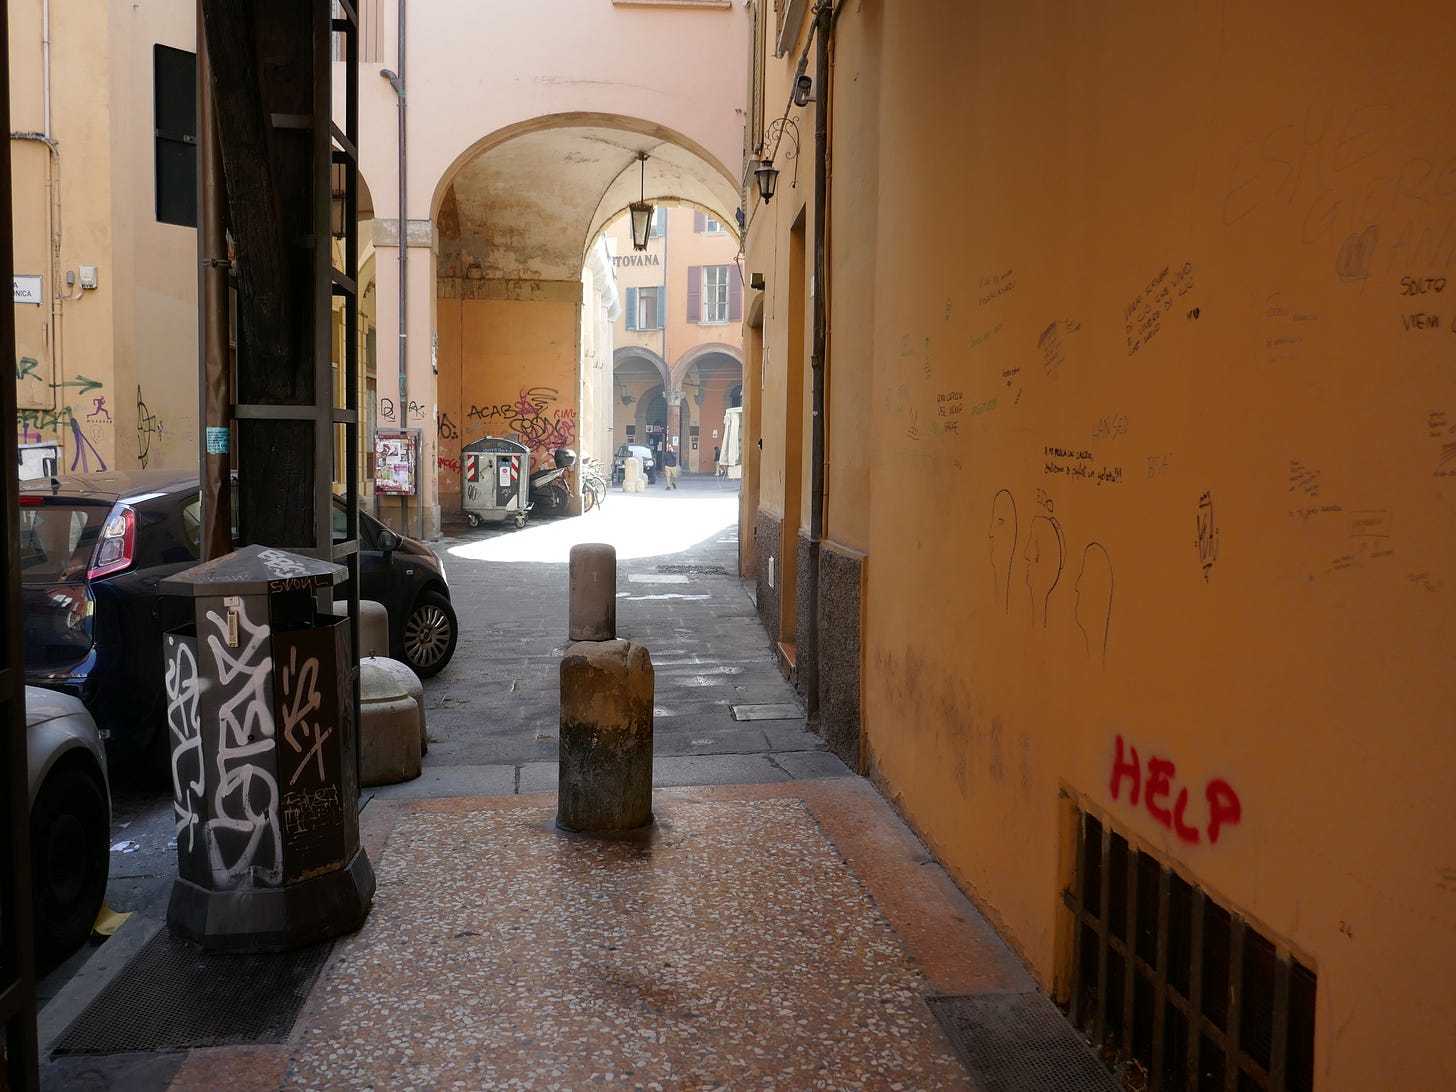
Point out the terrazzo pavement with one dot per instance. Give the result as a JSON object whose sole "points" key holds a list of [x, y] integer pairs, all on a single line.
{"points": [[776, 927]]}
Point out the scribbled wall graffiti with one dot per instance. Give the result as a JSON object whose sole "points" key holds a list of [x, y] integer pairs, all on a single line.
{"points": [[244, 840], [1034, 561], [534, 415], [148, 427], [63, 425], [184, 694]]}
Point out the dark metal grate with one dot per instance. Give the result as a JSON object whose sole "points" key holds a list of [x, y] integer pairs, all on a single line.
{"points": [[171, 996], [694, 570], [1174, 986], [1019, 1042]]}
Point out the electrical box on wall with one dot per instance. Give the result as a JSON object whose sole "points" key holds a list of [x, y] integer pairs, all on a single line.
{"points": [[88, 276]]}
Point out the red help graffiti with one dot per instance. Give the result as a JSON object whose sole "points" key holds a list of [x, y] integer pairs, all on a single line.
{"points": [[1154, 781]]}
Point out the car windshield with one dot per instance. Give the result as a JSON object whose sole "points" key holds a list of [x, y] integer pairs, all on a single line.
{"points": [[56, 540]]}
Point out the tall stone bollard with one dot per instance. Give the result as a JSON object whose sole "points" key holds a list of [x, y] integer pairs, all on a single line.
{"points": [[593, 594], [605, 779]]}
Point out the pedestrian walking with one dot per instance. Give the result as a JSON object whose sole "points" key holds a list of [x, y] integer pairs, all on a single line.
{"points": [[669, 461]]}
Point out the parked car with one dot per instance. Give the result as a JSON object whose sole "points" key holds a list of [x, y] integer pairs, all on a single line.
{"points": [[70, 821], [627, 451], [93, 550]]}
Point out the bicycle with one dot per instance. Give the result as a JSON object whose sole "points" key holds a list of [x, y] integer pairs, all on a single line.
{"points": [[593, 484]]}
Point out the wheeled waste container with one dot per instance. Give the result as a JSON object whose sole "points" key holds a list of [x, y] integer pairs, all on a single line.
{"points": [[495, 481]]}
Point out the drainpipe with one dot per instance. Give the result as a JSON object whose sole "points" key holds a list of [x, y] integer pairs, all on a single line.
{"points": [[212, 302], [822, 18], [53, 196], [53, 213], [397, 81]]}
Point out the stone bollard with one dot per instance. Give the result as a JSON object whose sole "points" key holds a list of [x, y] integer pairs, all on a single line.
{"points": [[373, 626], [410, 683], [593, 594], [389, 728], [605, 779]]}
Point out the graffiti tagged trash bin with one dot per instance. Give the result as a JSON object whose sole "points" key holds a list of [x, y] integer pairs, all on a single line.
{"points": [[265, 786]]}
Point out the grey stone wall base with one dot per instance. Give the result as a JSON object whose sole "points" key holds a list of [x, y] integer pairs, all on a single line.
{"points": [[841, 584], [766, 533]]}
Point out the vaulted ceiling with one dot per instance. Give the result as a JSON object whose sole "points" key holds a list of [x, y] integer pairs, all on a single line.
{"points": [[528, 207]]}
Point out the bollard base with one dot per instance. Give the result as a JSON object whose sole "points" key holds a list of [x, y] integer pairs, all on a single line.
{"points": [[604, 781], [274, 919]]}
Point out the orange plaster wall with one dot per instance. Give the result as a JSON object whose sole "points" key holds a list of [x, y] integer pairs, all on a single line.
{"points": [[1154, 269], [505, 367]]}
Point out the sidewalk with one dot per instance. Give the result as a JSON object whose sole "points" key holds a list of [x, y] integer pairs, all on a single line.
{"points": [[776, 927]]}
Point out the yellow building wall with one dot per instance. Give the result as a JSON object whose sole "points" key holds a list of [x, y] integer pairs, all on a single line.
{"points": [[1151, 310], [108, 372], [506, 368]]}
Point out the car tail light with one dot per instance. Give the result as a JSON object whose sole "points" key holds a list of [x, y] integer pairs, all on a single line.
{"points": [[116, 548], [29, 501]]}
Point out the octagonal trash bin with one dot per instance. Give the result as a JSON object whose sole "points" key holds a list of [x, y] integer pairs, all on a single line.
{"points": [[260, 708]]}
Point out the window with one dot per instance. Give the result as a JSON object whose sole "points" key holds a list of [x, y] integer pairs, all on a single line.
{"points": [[174, 110], [1160, 972], [715, 293], [644, 308], [659, 223], [704, 224]]}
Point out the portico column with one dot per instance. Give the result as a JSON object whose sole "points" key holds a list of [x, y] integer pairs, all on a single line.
{"points": [[421, 396]]}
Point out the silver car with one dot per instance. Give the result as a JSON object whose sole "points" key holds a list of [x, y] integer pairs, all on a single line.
{"points": [[70, 821]]}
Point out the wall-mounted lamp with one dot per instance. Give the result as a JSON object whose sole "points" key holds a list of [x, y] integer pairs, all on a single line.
{"points": [[640, 210], [766, 174], [338, 196], [767, 177], [803, 90]]}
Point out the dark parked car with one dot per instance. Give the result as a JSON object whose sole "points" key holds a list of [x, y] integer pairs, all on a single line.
{"points": [[93, 549], [70, 822], [627, 451]]}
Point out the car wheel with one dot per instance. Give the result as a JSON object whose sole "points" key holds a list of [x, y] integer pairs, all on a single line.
{"points": [[69, 828], [429, 634], [472, 519]]}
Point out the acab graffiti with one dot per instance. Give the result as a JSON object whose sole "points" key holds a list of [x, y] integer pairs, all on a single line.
{"points": [[532, 416]]}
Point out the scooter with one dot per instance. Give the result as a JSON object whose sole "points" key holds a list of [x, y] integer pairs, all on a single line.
{"points": [[549, 492]]}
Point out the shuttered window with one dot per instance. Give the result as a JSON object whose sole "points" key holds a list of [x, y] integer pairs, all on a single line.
{"points": [[174, 111], [644, 308], [715, 294]]}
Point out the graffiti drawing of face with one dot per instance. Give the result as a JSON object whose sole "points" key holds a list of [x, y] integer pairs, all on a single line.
{"points": [[1094, 600], [1003, 545], [1044, 558]]}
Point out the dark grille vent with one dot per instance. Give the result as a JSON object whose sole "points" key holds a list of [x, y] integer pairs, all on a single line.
{"points": [[1177, 987], [1018, 1042], [171, 996]]}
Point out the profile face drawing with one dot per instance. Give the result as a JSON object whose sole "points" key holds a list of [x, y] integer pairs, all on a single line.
{"points": [[1045, 556], [1093, 610], [1003, 545]]}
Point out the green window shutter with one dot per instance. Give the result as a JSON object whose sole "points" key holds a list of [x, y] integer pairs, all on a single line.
{"points": [[631, 308], [695, 293]]}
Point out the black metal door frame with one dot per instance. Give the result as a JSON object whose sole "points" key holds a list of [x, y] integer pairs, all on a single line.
{"points": [[17, 949]]}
